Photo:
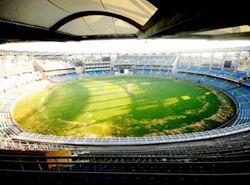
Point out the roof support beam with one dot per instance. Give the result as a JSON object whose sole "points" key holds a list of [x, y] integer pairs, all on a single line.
{"points": [[71, 17]]}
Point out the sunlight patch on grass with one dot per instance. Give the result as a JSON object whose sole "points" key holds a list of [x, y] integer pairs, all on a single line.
{"points": [[185, 97], [147, 107], [170, 101]]}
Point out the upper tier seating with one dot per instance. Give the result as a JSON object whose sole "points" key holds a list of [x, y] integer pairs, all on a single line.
{"points": [[228, 74], [50, 65]]}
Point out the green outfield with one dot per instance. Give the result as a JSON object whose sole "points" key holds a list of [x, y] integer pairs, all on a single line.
{"points": [[120, 106]]}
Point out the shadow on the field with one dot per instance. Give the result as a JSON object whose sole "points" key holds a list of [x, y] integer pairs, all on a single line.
{"points": [[148, 107], [67, 103]]}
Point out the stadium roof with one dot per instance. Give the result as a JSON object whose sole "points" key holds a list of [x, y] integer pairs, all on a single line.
{"points": [[95, 19]]}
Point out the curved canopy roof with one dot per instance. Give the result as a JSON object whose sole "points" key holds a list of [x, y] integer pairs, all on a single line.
{"points": [[61, 20], [95, 17]]}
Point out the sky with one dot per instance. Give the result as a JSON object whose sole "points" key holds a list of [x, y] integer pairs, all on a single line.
{"points": [[123, 45]]}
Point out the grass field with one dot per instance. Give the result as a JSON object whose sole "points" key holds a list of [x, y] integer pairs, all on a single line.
{"points": [[122, 106]]}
